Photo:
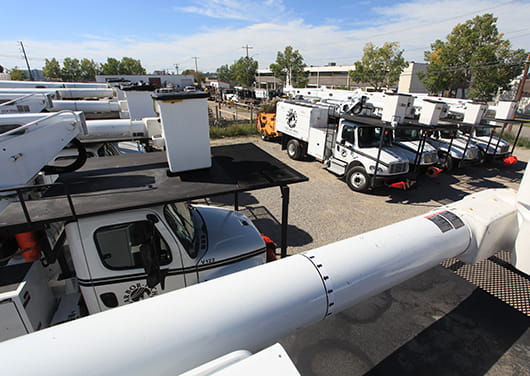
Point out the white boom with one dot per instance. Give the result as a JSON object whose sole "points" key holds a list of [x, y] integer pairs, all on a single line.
{"points": [[178, 331]]}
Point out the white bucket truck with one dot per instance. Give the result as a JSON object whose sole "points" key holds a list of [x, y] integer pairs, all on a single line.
{"points": [[120, 229], [354, 148]]}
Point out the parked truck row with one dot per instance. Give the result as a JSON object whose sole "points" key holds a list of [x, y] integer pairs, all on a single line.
{"points": [[380, 138]]}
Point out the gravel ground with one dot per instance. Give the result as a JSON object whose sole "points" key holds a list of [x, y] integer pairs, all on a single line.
{"points": [[324, 210], [438, 323]]}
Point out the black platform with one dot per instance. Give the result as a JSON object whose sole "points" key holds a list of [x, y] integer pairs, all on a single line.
{"points": [[117, 183]]}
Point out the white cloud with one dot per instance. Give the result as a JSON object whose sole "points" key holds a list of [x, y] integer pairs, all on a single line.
{"points": [[414, 24], [236, 9]]}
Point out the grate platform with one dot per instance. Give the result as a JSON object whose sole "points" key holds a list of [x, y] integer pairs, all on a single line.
{"points": [[497, 277]]}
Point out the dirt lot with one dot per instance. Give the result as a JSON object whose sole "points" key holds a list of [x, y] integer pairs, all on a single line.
{"points": [[438, 323]]}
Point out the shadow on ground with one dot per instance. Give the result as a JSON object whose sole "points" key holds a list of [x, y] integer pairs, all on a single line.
{"points": [[469, 340]]}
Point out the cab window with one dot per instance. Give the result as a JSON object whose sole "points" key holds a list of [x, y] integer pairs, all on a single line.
{"points": [[119, 246], [348, 134], [369, 137]]}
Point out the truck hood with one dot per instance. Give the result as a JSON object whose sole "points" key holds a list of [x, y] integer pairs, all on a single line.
{"points": [[230, 234], [457, 147], [429, 155], [392, 154], [482, 141]]}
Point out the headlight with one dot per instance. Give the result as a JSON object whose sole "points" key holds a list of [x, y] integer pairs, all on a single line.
{"points": [[372, 168]]}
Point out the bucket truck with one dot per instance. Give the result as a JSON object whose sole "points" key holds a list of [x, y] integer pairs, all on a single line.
{"points": [[210, 327], [355, 149], [121, 229]]}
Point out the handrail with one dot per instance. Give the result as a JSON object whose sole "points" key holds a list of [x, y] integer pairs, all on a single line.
{"points": [[25, 126]]}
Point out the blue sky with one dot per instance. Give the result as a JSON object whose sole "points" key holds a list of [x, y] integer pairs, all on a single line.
{"points": [[164, 33]]}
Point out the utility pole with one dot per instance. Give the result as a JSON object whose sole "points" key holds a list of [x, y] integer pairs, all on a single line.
{"points": [[196, 70], [247, 47], [523, 80], [27, 62], [177, 68]]}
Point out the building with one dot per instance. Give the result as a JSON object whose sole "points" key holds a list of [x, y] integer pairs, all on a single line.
{"points": [[330, 75], [409, 81], [178, 81]]}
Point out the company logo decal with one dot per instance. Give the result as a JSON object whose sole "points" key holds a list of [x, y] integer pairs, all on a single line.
{"points": [[291, 118], [138, 291]]}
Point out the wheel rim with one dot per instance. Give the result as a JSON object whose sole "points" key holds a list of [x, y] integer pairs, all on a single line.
{"points": [[291, 149], [357, 180]]}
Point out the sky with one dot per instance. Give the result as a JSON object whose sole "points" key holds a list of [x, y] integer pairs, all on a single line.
{"points": [[167, 35]]}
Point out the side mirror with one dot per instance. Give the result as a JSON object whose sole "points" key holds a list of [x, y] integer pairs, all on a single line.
{"points": [[150, 253]]}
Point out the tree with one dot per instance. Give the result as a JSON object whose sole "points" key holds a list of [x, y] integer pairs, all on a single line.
{"points": [[17, 74], [71, 70], [128, 65], [244, 71], [224, 73], [199, 76], [475, 58], [112, 66], [289, 68], [52, 69], [380, 66], [88, 70]]}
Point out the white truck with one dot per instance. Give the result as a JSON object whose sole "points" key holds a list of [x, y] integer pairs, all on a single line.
{"points": [[350, 148], [122, 229]]}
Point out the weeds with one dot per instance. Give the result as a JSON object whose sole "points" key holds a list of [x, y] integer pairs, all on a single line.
{"points": [[233, 129]]}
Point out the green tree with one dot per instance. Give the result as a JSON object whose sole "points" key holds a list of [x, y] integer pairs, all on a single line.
{"points": [[199, 76], [475, 57], [224, 73], [112, 66], [17, 74], [52, 69], [380, 66], [71, 70], [128, 65], [244, 71], [88, 70], [289, 68]]}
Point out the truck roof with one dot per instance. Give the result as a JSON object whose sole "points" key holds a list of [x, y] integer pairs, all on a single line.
{"points": [[118, 183]]}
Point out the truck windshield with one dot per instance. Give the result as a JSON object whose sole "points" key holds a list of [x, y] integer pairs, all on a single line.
{"points": [[403, 134], [181, 220], [483, 132], [369, 137]]}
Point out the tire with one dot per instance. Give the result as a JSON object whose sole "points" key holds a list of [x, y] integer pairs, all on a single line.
{"points": [[294, 149], [446, 161], [357, 179], [263, 136], [481, 156]]}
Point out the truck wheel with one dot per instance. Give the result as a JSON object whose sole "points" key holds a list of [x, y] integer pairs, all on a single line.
{"points": [[358, 179], [446, 162], [294, 149], [263, 136], [481, 156]]}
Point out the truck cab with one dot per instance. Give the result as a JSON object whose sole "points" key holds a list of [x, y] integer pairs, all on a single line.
{"points": [[482, 136], [453, 151], [358, 157], [410, 139], [120, 258]]}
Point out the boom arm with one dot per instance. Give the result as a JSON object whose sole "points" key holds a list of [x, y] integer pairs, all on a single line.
{"points": [[180, 330]]}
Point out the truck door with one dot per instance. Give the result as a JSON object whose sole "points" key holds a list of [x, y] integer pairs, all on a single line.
{"points": [[118, 249], [345, 142]]}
